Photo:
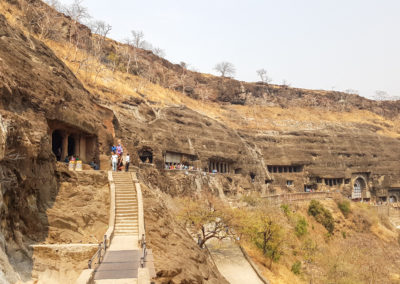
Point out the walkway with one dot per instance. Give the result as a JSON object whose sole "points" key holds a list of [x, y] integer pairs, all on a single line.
{"points": [[122, 259], [231, 262]]}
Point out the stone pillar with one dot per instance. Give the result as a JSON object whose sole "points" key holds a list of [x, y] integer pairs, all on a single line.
{"points": [[64, 150], [77, 151], [82, 149]]}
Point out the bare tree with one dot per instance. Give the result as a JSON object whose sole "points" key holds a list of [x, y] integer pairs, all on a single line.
{"points": [[226, 69], [137, 39], [55, 4], [285, 84], [77, 11], [159, 52], [183, 75], [381, 95], [262, 73], [101, 28], [79, 14], [351, 92], [43, 21]]}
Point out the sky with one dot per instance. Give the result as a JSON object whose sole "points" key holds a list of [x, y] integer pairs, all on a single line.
{"points": [[313, 44]]}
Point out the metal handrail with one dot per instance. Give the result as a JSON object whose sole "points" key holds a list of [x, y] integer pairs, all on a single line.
{"points": [[144, 252], [99, 254]]}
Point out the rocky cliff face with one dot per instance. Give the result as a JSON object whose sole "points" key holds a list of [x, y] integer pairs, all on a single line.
{"points": [[39, 94], [35, 88]]}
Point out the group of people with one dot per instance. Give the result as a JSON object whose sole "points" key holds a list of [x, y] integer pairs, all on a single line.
{"points": [[117, 160], [175, 166]]}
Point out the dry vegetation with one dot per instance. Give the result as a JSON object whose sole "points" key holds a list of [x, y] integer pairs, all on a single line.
{"points": [[300, 249], [113, 84]]}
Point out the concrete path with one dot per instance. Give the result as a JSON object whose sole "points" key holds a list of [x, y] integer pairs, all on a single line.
{"points": [[122, 259], [231, 262]]}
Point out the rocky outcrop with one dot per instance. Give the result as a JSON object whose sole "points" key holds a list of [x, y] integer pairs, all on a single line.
{"points": [[169, 242]]}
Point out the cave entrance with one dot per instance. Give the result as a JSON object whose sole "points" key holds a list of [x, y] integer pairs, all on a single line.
{"points": [[358, 187], [146, 156], [68, 140], [71, 145], [392, 199], [56, 141], [219, 165]]}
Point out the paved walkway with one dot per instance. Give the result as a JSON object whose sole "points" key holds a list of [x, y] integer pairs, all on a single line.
{"points": [[122, 259], [231, 262]]}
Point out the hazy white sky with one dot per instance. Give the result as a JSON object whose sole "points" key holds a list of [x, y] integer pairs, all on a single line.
{"points": [[316, 44]]}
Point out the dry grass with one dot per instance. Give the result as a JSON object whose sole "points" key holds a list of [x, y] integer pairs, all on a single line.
{"points": [[117, 85]]}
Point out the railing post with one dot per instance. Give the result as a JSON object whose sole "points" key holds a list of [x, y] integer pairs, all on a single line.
{"points": [[105, 243], [99, 255]]}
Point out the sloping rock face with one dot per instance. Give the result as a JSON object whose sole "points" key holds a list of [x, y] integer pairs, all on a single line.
{"points": [[35, 88], [38, 93]]}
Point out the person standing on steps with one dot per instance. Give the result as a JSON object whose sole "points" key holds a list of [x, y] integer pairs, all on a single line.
{"points": [[114, 160], [127, 161]]}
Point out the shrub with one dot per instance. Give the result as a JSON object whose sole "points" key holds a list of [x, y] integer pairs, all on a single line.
{"points": [[344, 235], [321, 215], [250, 200], [285, 208], [301, 227], [344, 207], [296, 268]]}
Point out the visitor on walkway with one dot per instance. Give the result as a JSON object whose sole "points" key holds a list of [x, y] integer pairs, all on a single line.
{"points": [[120, 163], [114, 161], [127, 161], [120, 150]]}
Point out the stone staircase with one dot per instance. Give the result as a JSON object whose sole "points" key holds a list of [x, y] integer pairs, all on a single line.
{"points": [[126, 205]]}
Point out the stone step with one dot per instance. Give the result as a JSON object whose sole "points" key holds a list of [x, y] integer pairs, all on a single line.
{"points": [[126, 201], [129, 208], [123, 215], [128, 218], [127, 211], [126, 227], [131, 188], [127, 194], [132, 221], [131, 230], [125, 232], [119, 224]]}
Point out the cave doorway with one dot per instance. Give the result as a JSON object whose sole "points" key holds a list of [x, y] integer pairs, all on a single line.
{"points": [[252, 176], [71, 145], [146, 156], [56, 141], [392, 199], [358, 187]]}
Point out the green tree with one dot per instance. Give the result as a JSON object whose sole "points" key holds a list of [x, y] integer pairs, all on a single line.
{"points": [[321, 215], [262, 228], [207, 216]]}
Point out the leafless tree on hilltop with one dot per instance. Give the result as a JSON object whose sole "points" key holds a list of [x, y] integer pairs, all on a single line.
{"points": [[262, 73], [226, 69]]}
